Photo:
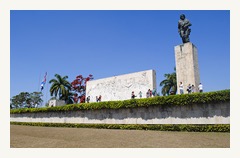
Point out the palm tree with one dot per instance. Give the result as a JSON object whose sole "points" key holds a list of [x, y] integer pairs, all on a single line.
{"points": [[60, 87], [169, 84]]}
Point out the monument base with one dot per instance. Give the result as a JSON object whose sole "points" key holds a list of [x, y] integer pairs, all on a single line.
{"points": [[53, 103], [187, 70]]}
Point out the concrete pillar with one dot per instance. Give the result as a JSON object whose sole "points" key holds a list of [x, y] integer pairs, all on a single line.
{"points": [[187, 70]]}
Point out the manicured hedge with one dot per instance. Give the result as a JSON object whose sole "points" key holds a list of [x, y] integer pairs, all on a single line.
{"points": [[185, 99], [157, 127]]}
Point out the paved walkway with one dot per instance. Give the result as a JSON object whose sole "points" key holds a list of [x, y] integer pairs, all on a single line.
{"points": [[51, 137]]}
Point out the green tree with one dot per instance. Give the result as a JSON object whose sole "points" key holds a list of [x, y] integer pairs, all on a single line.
{"points": [[60, 87], [36, 99], [26, 99], [169, 85]]}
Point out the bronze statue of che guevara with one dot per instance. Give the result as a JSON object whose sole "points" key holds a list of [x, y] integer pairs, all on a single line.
{"points": [[183, 28]]}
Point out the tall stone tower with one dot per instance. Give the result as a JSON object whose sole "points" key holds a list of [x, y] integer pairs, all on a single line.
{"points": [[187, 70]]}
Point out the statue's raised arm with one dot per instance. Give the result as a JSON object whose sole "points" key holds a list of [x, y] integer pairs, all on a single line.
{"points": [[183, 28]]}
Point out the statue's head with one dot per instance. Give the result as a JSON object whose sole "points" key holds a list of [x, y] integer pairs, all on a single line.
{"points": [[182, 16]]}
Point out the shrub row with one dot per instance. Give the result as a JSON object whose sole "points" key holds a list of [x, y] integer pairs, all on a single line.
{"points": [[177, 100], [157, 127]]}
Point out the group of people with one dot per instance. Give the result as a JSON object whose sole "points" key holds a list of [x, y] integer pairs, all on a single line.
{"points": [[190, 88], [98, 98], [149, 93]]}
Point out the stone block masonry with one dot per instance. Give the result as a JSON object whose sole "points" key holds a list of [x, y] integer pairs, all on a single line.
{"points": [[214, 113], [187, 70], [121, 87]]}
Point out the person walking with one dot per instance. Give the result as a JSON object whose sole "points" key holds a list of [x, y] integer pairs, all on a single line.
{"points": [[150, 93], [96, 98], [133, 95], [99, 98], [200, 88], [189, 89], [88, 99], [181, 88], [193, 89], [154, 91], [147, 94], [140, 94]]}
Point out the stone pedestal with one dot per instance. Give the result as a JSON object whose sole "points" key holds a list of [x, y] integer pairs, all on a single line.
{"points": [[53, 103], [187, 70]]}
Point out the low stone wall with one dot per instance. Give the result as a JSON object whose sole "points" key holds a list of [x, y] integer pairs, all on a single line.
{"points": [[192, 114]]}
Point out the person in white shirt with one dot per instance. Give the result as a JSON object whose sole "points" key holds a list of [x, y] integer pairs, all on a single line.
{"points": [[181, 88], [200, 88], [193, 89]]}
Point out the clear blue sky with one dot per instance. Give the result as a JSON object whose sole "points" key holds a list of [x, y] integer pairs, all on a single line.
{"points": [[109, 43]]}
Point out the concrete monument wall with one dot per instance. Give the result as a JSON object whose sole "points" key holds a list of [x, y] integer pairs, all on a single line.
{"points": [[187, 70], [218, 113], [121, 87]]}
